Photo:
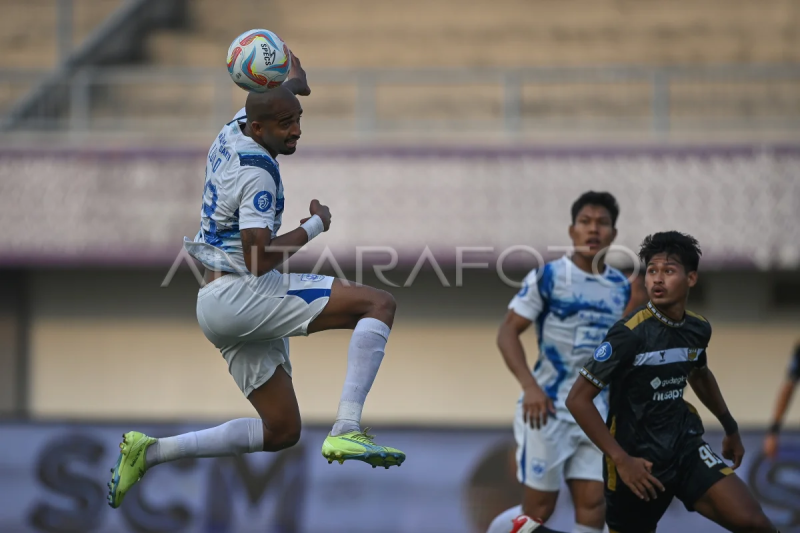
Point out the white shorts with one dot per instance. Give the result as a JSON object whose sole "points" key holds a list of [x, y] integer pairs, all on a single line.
{"points": [[249, 318], [557, 452]]}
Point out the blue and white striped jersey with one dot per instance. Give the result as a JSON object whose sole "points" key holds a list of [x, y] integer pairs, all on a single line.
{"points": [[243, 189], [572, 311]]}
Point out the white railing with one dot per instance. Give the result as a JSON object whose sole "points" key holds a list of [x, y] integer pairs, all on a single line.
{"points": [[652, 101]]}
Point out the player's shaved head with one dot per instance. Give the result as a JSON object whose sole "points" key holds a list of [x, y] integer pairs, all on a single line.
{"points": [[266, 105], [273, 120]]}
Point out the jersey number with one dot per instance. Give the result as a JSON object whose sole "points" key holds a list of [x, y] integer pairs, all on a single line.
{"points": [[709, 457]]}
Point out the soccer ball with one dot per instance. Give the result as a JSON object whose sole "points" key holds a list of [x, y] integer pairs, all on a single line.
{"points": [[258, 60]]}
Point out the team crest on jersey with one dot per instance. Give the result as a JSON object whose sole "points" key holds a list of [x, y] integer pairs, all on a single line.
{"points": [[693, 353], [311, 277], [263, 201], [603, 352]]}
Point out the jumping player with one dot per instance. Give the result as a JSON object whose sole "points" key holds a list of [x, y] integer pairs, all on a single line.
{"points": [[573, 301], [248, 309], [653, 439], [782, 405]]}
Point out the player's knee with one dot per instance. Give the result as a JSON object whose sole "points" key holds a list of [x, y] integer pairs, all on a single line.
{"points": [[282, 438], [591, 512], [289, 438], [591, 516], [756, 522], [384, 306], [387, 303]]}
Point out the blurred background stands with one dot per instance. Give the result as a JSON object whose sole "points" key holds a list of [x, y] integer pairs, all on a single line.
{"points": [[444, 69]]}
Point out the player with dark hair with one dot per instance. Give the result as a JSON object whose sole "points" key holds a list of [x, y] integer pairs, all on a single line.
{"points": [[782, 405], [597, 199], [572, 301], [652, 439]]}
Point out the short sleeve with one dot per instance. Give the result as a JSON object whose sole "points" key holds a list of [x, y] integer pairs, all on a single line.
{"points": [[616, 353], [258, 198], [794, 366], [702, 359], [528, 302]]}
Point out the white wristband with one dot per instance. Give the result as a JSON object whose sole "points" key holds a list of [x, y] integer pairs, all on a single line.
{"points": [[313, 226]]}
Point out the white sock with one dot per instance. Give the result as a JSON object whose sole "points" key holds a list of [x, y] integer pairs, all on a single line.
{"points": [[578, 528], [243, 435], [367, 346], [502, 522]]}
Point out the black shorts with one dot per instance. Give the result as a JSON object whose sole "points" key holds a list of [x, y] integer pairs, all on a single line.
{"points": [[698, 468]]}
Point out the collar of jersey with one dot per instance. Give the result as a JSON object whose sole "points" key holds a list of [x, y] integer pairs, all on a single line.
{"points": [[663, 318], [602, 275]]}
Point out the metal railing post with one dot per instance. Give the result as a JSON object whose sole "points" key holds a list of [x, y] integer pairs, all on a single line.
{"points": [[80, 100], [660, 103], [65, 27], [512, 102], [366, 104]]}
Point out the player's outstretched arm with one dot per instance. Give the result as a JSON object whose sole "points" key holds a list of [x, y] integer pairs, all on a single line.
{"points": [[263, 254], [536, 406], [634, 471], [782, 405], [616, 353], [580, 403], [705, 386]]}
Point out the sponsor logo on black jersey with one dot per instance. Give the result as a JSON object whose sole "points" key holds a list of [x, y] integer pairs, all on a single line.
{"points": [[674, 394], [658, 383]]}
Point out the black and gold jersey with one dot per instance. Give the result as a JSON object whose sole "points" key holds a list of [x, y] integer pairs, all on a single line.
{"points": [[645, 360]]}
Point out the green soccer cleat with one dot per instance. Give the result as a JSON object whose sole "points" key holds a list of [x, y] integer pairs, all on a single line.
{"points": [[130, 465], [360, 446]]}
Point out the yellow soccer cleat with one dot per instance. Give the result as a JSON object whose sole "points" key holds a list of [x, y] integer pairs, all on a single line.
{"points": [[360, 446], [130, 465]]}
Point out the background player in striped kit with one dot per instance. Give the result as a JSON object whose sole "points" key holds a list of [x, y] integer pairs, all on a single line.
{"points": [[572, 301]]}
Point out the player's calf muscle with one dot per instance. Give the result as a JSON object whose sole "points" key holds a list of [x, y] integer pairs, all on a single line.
{"points": [[539, 504]]}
